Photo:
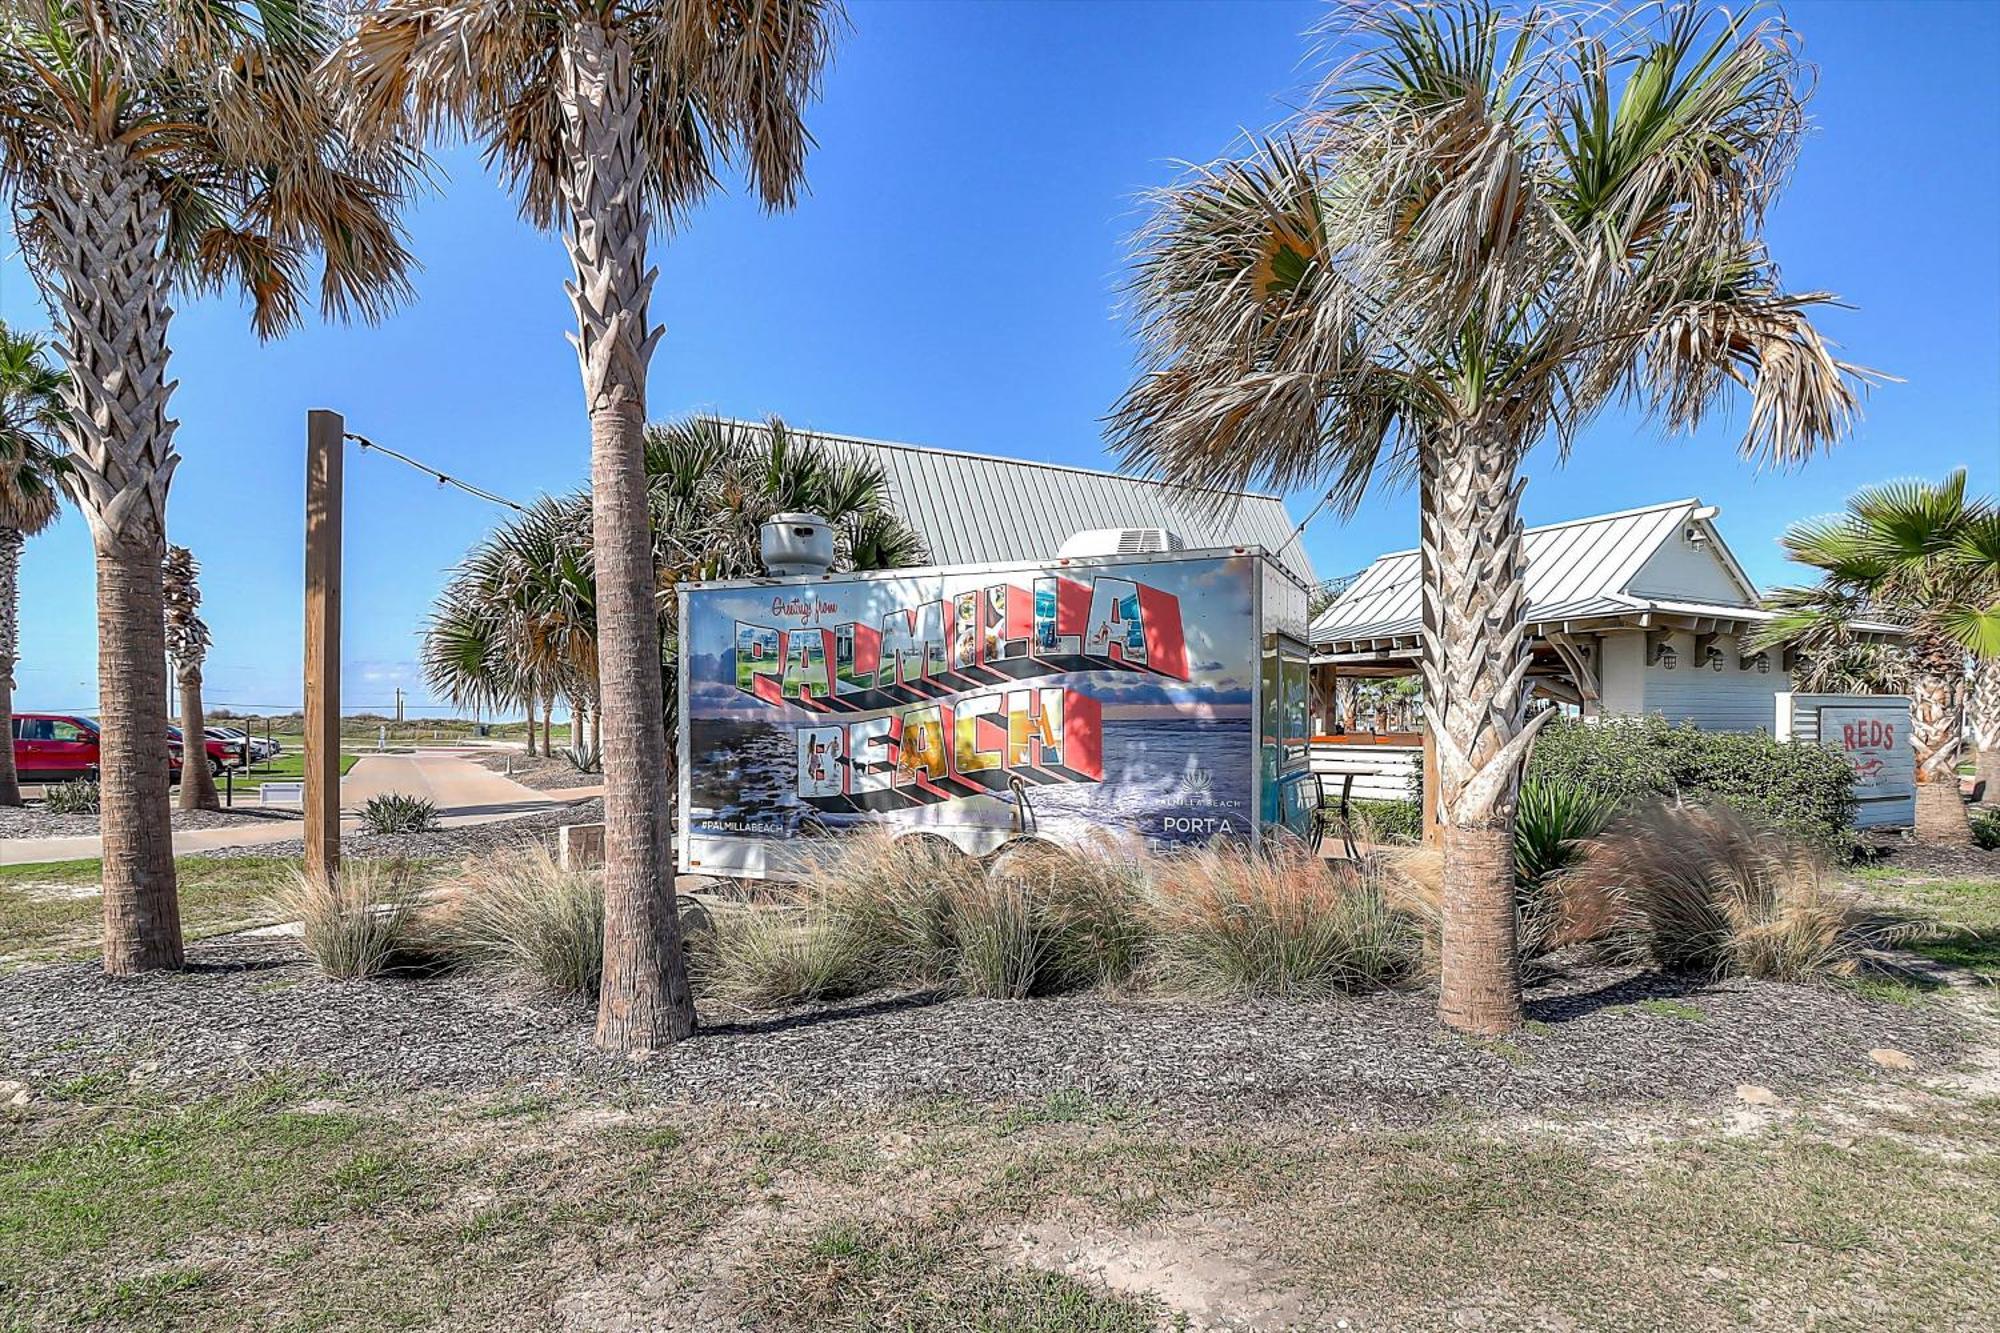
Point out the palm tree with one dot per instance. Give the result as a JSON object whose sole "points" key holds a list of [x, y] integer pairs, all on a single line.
{"points": [[146, 148], [1926, 555], [31, 414], [1982, 716], [187, 645], [523, 605], [1487, 225], [605, 116]]}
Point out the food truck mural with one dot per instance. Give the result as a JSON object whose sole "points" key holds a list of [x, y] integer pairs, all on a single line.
{"points": [[979, 704]]}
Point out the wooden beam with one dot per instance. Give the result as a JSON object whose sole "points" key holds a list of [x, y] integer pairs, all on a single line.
{"points": [[324, 433], [1433, 835], [1578, 658]]}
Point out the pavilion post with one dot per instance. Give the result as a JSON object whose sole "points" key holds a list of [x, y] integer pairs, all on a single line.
{"points": [[325, 432], [1432, 835]]}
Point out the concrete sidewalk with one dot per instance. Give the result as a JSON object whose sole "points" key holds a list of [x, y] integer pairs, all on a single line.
{"points": [[464, 793]]}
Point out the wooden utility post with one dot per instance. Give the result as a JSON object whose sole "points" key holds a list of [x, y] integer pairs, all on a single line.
{"points": [[324, 434], [1433, 835]]}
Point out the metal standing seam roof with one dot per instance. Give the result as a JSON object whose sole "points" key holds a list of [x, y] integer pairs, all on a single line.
{"points": [[1575, 570], [978, 508]]}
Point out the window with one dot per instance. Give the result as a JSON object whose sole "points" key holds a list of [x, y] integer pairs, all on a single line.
{"points": [[62, 729]]}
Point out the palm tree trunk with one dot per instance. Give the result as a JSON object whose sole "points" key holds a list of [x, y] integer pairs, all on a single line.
{"points": [[107, 234], [197, 783], [644, 1003], [11, 542], [1475, 669], [1935, 731], [548, 726], [531, 722], [1984, 715]]}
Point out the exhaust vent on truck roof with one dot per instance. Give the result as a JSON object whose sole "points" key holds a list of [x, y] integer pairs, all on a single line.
{"points": [[1121, 541]]}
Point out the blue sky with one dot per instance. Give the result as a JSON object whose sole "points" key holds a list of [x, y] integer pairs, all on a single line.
{"points": [[952, 279]]}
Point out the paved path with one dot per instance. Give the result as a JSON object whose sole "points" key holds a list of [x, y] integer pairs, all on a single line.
{"points": [[464, 792]]}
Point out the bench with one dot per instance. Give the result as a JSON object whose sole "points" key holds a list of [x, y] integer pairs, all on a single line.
{"points": [[281, 793]]}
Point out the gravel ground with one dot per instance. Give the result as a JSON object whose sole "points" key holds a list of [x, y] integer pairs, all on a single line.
{"points": [[465, 840], [249, 1008], [33, 820], [538, 772]]}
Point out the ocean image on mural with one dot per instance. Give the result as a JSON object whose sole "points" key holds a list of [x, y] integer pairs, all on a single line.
{"points": [[1167, 780]]}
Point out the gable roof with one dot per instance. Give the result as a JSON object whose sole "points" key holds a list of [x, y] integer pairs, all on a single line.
{"points": [[1580, 569], [979, 508]]}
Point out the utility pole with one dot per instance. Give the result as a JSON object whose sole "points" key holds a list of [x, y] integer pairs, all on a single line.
{"points": [[399, 705], [324, 442]]}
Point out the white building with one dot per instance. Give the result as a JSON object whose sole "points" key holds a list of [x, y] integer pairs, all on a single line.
{"points": [[1641, 611]]}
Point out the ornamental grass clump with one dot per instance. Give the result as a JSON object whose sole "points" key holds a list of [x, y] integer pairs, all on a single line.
{"points": [[360, 922], [895, 896], [1699, 889], [1225, 921], [767, 957], [520, 913]]}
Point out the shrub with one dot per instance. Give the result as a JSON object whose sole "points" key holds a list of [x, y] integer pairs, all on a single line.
{"points": [[1986, 828], [1700, 889], [360, 922], [395, 813], [773, 957], [1228, 922], [72, 798], [1387, 822], [1806, 791], [521, 913], [583, 757]]}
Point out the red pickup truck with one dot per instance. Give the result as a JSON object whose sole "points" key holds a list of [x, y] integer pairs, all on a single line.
{"points": [[61, 747]]}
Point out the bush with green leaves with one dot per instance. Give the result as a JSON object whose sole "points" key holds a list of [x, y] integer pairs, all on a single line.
{"points": [[395, 813], [1986, 828], [1386, 822], [72, 798], [1805, 791]]}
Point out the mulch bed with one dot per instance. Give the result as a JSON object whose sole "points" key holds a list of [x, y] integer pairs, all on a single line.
{"points": [[34, 820], [248, 1008], [537, 771], [1909, 857]]}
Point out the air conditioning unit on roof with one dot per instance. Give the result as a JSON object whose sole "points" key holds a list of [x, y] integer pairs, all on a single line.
{"points": [[1121, 541]]}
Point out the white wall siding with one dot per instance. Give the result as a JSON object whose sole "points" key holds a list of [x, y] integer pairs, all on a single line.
{"points": [[1685, 572], [1391, 774], [1725, 700]]}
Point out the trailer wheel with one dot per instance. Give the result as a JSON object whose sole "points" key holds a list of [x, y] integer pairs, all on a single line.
{"points": [[935, 846], [1021, 854]]}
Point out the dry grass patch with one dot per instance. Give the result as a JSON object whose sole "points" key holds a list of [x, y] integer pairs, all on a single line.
{"points": [[519, 913], [359, 921]]}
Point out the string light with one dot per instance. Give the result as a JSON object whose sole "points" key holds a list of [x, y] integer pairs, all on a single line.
{"points": [[444, 478]]}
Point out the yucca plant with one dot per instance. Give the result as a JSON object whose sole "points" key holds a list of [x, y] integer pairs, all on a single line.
{"points": [[72, 798], [396, 813], [1488, 224]]}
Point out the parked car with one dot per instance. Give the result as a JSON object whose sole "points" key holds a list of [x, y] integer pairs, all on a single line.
{"points": [[260, 747], [63, 747], [221, 754]]}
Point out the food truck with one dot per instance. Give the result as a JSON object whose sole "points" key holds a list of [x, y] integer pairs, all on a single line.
{"points": [[1155, 698]]}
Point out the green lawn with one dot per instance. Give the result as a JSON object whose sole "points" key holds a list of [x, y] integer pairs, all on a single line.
{"points": [[1965, 913], [290, 766], [287, 1207], [51, 910]]}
